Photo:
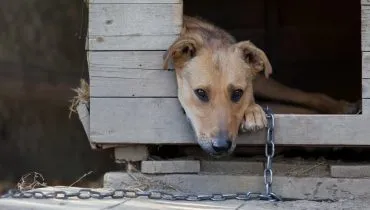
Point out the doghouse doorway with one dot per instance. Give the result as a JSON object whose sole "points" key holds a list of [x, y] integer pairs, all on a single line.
{"points": [[313, 45]]}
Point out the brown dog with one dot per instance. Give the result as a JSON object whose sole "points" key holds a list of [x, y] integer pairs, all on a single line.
{"points": [[217, 79]]}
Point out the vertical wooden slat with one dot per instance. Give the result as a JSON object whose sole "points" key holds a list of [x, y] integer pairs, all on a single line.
{"points": [[366, 65], [366, 88], [365, 26], [365, 2], [366, 106], [365, 34]]}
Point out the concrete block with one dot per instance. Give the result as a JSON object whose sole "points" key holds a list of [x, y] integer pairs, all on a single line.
{"points": [[170, 166], [131, 153], [286, 187], [232, 167], [350, 171]]}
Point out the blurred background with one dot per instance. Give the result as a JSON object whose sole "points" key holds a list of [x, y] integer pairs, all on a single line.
{"points": [[42, 57]]}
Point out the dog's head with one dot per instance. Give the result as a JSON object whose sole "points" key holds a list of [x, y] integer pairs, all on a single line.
{"points": [[215, 88]]}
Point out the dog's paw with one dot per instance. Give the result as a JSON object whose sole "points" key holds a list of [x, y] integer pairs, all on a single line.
{"points": [[254, 119]]}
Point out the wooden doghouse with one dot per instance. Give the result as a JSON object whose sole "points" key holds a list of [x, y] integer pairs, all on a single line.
{"points": [[134, 101]]}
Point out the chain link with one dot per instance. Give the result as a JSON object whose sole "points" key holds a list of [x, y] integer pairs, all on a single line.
{"points": [[120, 194], [269, 152], [124, 193]]}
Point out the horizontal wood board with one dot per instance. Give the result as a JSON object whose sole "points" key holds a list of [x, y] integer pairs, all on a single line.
{"points": [[106, 60], [161, 121], [134, 19], [132, 83], [130, 42], [135, 1], [110, 21], [146, 83], [133, 26], [141, 74]]}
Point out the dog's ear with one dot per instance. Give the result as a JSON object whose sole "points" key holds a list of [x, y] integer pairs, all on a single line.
{"points": [[181, 51], [255, 57]]}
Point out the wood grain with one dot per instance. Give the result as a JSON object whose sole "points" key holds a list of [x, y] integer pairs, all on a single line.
{"points": [[130, 42], [132, 83], [365, 25], [134, 19], [365, 2], [135, 1], [365, 88], [366, 65], [125, 59], [161, 121], [126, 74], [366, 106]]}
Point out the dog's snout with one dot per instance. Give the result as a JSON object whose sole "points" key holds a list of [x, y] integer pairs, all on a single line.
{"points": [[221, 145]]}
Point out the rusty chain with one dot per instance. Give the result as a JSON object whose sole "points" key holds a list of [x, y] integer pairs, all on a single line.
{"points": [[125, 193]]}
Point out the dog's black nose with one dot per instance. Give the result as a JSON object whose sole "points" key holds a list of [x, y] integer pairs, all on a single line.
{"points": [[221, 145]]}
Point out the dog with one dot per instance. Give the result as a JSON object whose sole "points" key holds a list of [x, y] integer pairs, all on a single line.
{"points": [[217, 78]]}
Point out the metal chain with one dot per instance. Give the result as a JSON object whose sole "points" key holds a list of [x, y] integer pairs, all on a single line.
{"points": [[125, 193], [269, 153]]}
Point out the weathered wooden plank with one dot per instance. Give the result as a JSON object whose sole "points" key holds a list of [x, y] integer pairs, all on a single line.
{"points": [[135, 1], [134, 19], [365, 88], [366, 65], [366, 106], [130, 42], [137, 121], [365, 2], [125, 59], [170, 166], [350, 170], [365, 25], [109, 76], [132, 83], [161, 121]]}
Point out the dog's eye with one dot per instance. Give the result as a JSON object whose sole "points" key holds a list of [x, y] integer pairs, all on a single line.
{"points": [[202, 94], [236, 95]]}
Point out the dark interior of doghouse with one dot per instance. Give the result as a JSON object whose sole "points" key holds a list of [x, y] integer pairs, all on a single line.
{"points": [[312, 45]]}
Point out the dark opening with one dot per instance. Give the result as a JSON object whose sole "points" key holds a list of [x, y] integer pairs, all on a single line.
{"points": [[313, 45]]}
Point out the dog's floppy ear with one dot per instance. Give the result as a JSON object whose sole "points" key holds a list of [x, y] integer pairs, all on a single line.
{"points": [[255, 57], [181, 51]]}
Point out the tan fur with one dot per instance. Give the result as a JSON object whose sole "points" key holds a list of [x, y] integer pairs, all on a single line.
{"points": [[205, 56]]}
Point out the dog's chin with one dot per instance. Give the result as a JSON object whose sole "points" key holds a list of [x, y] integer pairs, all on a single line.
{"points": [[206, 146]]}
